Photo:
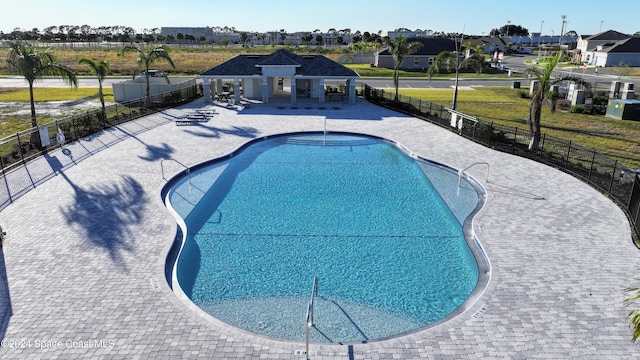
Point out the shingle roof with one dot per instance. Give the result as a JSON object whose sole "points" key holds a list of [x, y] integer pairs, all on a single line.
{"points": [[483, 41], [609, 35], [630, 45], [306, 65]]}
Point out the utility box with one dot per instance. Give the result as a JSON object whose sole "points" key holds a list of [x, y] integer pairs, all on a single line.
{"points": [[623, 109], [614, 92]]}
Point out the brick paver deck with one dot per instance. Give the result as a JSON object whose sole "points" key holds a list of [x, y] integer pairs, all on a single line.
{"points": [[83, 273]]}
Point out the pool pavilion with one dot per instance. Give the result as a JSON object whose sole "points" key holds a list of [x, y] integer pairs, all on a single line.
{"points": [[282, 74]]}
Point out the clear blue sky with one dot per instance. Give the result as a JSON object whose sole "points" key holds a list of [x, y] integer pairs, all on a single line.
{"points": [[475, 17]]}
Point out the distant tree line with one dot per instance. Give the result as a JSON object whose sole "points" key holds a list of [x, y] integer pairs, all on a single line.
{"points": [[86, 33]]}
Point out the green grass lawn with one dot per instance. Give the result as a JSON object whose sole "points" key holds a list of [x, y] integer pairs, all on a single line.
{"points": [[617, 138], [365, 70]]}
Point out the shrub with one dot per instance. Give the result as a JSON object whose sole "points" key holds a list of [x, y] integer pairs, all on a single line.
{"points": [[523, 94], [578, 109], [599, 105]]}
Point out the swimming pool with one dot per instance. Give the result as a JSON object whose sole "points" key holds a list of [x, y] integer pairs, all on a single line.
{"points": [[382, 231]]}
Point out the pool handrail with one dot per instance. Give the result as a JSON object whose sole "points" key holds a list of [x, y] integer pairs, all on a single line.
{"points": [[309, 319], [178, 162], [460, 172]]}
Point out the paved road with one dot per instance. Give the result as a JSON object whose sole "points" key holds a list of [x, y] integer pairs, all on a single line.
{"points": [[516, 63], [17, 82]]}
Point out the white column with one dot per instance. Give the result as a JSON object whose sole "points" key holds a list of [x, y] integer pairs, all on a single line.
{"points": [[294, 93], [351, 86], [265, 90], [321, 91], [206, 89], [236, 91]]}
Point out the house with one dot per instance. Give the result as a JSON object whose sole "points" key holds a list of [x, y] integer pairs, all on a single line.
{"points": [[419, 60], [490, 44], [588, 44], [623, 52], [283, 73]]}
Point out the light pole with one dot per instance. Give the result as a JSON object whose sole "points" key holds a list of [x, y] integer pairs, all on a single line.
{"points": [[564, 17], [540, 38], [455, 87], [508, 23], [601, 22]]}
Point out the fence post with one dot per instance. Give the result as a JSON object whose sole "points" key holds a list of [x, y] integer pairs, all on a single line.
{"points": [[544, 136], [566, 160], [513, 144], [593, 159], [75, 130], [490, 134], [20, 147], [613, 175]]}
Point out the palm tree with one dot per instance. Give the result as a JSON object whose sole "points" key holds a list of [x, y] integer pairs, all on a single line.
{"points": [[146, 57], [399, 48], [34, 65], [634, 315], [101, 70], [544, 94], [450, 60]]}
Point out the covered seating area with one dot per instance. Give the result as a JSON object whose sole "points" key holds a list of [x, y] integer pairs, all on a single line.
{"points": [[281, 74]]}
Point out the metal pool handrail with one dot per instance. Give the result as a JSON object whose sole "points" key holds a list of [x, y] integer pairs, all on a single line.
{"points": [[309, 318], [178, 162], [460, 172]]}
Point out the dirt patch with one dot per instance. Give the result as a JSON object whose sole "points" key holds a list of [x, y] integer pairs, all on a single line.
{"points": [[49, 108]]}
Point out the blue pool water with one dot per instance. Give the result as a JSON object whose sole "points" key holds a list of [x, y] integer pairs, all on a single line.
{"points": [[386, 245]]}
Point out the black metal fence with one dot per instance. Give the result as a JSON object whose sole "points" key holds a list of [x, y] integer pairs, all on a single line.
{"points": [[26, 145], [600, 171]]}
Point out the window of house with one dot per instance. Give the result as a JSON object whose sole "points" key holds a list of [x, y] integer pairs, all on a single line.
{"points": [[430, 61], [416, 61]]}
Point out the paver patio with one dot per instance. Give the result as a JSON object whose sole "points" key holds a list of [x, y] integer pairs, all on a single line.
{"points": [[83, 273]]}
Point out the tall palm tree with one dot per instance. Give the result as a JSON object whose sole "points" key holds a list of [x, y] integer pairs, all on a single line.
{"points": [[399, 48], [101, 70], [148, 56], [34, 65], [544, 95], [450, 60]]}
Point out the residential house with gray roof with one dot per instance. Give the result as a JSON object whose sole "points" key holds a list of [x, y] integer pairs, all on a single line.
{"points": [[420, 60], [588, 44]]}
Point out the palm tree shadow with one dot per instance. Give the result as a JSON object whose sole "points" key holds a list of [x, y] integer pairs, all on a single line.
{"points": [[105, 213], [5, 298], [163, 151], [157, 152]]}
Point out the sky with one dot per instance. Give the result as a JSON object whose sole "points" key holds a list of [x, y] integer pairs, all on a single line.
{"points": [[472, 17]]}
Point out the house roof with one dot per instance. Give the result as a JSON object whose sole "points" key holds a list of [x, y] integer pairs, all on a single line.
{"points": [[608, 35], [306, 65], [630, 45], [484, 41], [430, 46]]}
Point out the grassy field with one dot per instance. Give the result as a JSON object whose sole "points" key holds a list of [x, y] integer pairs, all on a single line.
{"points": [[365, 70], [188, 60], [617, 138], [14, 119]]}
